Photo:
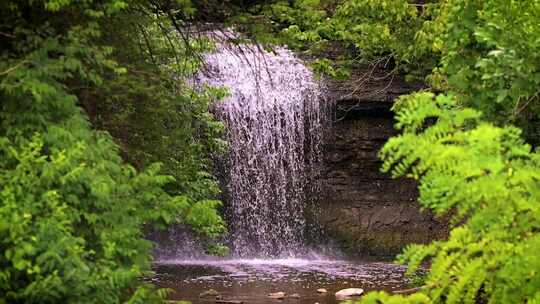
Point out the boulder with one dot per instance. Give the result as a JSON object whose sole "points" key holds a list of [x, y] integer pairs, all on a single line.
{"points": [[322, 290], [277, 295], [209, 293], [348, 292]]}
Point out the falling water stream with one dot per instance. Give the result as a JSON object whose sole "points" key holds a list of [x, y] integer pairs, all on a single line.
{"points": [[275, 115]]}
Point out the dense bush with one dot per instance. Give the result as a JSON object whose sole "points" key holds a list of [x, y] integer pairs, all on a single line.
{"points": [[72, 211], [490, 179], [470, 160]]}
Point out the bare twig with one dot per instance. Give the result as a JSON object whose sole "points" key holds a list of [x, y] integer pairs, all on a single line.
{"points": [[413, 290], [7, 35], [374, 93], [148, 45], [13, 68], [518, 110]]}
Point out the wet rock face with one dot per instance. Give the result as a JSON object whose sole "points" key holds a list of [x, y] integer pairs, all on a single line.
{"points": [[362, 209]]}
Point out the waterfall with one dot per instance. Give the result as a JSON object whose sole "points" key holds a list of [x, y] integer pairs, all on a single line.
{"points": [[274, 115]]}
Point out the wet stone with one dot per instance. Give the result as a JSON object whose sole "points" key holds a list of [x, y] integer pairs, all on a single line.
{"points": [[209, 293], [277, 295], [348, 293]]}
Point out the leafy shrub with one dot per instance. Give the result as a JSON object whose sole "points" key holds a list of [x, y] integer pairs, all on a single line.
{"points": [[489, 177], [72, 212]]}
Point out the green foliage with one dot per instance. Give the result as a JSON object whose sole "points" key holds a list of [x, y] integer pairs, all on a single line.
{"points": [[486, 51], [72, 212], [490, 179], [470, 162], [464, 145], [490, 55], [370, 31], [155, 115], [381, 297]]}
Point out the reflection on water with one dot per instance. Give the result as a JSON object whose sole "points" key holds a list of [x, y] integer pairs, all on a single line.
{"points": [[250, 280]]}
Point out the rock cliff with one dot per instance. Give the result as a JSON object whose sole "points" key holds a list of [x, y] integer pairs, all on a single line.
{"points": [[362, 209]]}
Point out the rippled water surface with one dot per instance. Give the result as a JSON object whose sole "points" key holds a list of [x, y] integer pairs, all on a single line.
{"points": [[251, 280]]}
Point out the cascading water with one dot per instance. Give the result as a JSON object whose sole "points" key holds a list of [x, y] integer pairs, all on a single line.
{"points": [[275, 116]]}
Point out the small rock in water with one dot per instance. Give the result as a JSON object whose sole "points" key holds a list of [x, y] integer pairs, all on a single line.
{"points": [[295, 296], [277, 295], [209, 293], [349, 292], [322, 290]]}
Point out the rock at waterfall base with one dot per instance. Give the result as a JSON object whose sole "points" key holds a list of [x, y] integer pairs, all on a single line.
{"points": [[322, 290], [348, 292], [294, 296], [209, 293], [277, 295]]}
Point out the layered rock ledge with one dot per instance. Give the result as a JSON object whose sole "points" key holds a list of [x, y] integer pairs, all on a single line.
{"points": [[364, 210]]}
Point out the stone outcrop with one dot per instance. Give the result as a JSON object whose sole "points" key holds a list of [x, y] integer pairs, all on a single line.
{"points": [[363, 210]]}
